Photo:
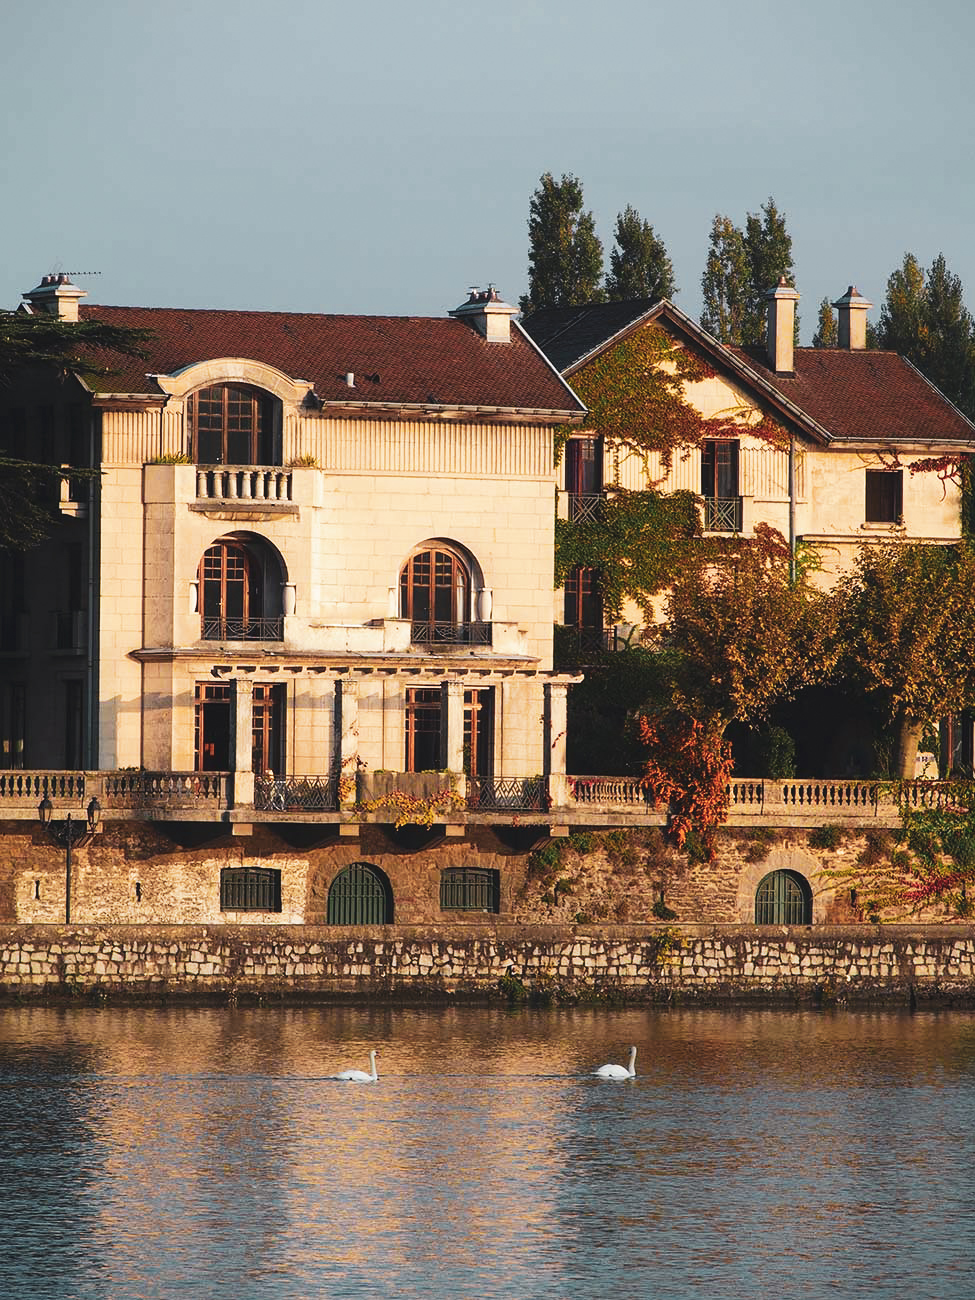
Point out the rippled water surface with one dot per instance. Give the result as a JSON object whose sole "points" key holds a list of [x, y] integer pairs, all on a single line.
{"points": [[206, 1154]]}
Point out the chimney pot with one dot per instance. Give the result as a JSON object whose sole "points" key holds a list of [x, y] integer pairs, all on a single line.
{"points": [[780, 329], [851, 320]]}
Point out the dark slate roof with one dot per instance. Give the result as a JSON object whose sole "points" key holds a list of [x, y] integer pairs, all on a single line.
{"points": [[567, 334], [864, 395], [406, 360]]}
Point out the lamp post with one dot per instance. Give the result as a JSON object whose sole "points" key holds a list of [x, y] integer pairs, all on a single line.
{"points": [[68, 834]]}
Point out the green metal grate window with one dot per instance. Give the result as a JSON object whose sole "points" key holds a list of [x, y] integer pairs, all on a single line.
{"points": [[250, 889], [783, 898], [467, 889]]}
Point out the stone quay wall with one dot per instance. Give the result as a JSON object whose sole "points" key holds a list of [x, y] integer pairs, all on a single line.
{"points": [[897, 964]]}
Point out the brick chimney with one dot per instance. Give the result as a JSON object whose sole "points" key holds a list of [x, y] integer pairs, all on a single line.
{"points": [[851, 320], [780, 330], [488, 314], [55, 296]]}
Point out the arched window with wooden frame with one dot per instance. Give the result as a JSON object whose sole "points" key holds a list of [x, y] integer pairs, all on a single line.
{"points": [[231, 424], [435, 595], [240, 596]]}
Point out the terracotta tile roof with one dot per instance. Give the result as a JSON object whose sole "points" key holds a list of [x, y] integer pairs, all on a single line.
{"points": [[396, 359], [864, 395]]}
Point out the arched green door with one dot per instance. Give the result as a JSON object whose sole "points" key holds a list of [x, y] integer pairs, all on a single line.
{"points": [[360, 895], [783, 898]]}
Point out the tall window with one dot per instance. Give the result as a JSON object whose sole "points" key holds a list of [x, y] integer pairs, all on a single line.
{"points": [[231, 425], [478, 730], [267, 731], [424, 746], [212, 727], [583, 612], [232, 595], [435, 595], [719, 485], [885, 496]]}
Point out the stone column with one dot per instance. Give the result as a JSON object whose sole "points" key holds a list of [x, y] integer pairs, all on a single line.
{"points": [[453, 726], [347, 720], [242, 738], [556, 732]]}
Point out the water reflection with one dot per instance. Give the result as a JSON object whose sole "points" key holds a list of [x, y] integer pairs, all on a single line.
{"points": [[207, 1153]]}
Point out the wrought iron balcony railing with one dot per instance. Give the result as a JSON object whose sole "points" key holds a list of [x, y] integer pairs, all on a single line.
{"points": [[722, 514], [428, 633], [296, 794], [585, 506], [243, 629], [506, 793]]}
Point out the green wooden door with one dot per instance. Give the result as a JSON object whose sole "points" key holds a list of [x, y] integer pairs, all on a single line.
{"points": [[783, 898], [359, 896]]}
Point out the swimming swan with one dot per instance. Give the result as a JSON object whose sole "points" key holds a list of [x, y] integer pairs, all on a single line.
{"points": [[360, 1076], [618, 1071]]}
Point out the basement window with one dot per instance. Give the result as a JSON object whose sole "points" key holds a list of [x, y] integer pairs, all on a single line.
{"points": [[250, 889], [885, 496], [469, 889]]}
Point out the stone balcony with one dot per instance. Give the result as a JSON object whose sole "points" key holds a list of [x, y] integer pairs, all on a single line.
{"points": [[456, 800]]}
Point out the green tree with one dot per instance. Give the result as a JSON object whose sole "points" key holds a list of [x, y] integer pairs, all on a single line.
{"points": [[725, 283], [85, 348], [741, 268], [924, 318], [768, 247], [742, 637], [638, 265], [907, 625], [827, 334], [565, 260]]}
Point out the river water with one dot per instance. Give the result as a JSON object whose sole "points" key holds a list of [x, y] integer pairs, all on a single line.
{"points": [[205, 1153]]}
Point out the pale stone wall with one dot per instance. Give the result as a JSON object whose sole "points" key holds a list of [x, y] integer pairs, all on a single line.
{"points": [[383, 488], [631, 963]]}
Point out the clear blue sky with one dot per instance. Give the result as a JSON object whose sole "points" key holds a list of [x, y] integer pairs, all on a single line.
{"points": [[379, 156]]}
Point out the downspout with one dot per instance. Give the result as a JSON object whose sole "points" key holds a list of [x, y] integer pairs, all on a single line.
{"points": [[792, 510], [92, 756]]}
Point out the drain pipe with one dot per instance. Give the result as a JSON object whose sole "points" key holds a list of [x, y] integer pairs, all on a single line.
{"points": [[792, 509]]}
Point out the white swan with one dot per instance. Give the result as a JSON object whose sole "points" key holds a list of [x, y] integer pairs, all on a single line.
{"points": [[618, 1071], [360, 1076]]}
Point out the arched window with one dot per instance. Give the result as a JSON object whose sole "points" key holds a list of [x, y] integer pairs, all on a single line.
{"points": [[231, 424], [783, 898], [360, 895], [435, 595], [240, 593]]}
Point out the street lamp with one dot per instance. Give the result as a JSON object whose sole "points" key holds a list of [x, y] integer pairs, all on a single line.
{"points": [[68, 834]]}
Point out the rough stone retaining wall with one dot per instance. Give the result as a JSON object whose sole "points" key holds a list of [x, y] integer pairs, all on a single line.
{"points": [[635, 963]]}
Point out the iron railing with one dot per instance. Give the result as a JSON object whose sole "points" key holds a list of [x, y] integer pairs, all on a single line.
{"points": [[243, 629], [296, 794], [507, 793], [585, 507], [436, 633], [722, 514]]}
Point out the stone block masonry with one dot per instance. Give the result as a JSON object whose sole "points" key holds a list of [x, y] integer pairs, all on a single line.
{"points": [[900, 965]]}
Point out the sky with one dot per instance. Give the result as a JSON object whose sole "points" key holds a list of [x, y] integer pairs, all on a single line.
{"points": [[379, 156]]}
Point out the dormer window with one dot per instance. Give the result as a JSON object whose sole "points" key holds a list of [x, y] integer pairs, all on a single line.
{"points": [[230, 424]]}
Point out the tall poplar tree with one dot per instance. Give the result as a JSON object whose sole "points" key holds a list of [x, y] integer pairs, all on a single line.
{"points": [[768, 246], [725, 282], [827, 333], [565, 260], [639, 266], [924, 318], [742, 266]]}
